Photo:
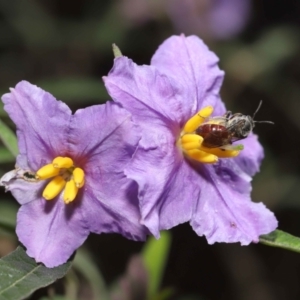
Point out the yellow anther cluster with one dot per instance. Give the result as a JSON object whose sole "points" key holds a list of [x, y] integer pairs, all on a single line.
{"points": [[64, 176], [191, 143]]}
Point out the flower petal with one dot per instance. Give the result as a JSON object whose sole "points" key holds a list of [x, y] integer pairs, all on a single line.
{"points": [[41, 121], [97, 130], [168, 186], [103, 138], [116, 212], [225, 212], [195, 70], [143, 91], [249, 159], [50, 230], [23, 191]]}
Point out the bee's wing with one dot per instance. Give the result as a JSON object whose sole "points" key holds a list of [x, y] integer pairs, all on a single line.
{"points": [[217, 120], [233, 128]]}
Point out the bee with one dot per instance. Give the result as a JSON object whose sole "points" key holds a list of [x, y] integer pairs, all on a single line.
{"points": [[222, 131]]}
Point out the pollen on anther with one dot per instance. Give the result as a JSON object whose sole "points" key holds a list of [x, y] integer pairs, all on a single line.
{"points": [[62, 162]]}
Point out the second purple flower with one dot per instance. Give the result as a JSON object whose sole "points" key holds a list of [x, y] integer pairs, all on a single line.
{"points": [[177, 185]]}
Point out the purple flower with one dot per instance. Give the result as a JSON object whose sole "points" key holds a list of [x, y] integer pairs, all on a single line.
{"points": [[76, 162], [175, 186], [216, 19]]}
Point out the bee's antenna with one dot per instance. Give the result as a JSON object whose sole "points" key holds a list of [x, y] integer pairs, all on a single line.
{"points": [[259, 105], [268, 122]]}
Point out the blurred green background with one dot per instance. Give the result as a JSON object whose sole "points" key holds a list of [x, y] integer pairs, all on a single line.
{"points": [[65, 48]]}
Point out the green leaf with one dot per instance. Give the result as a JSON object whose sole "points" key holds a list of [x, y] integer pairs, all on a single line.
{"points": [[6, 156], [20, 275], [84, 264], [8, 138], [281, 239], [155, 254]]}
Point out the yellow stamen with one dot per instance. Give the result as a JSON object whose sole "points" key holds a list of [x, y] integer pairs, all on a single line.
{"points": [[47, 171], [191, 138], [194, 122], [191, 146], [54, 187], [78, 176], [82, 184], [221, 153], [191, 142], [62, 162], [202, 156], [71, 191], [65, 176]]}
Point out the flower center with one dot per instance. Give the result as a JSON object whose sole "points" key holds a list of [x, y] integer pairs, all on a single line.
{"points": [[64, 176], [191, 143]]}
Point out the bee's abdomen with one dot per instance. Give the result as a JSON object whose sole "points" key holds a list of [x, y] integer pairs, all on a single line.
{"points": [[214, 135]]}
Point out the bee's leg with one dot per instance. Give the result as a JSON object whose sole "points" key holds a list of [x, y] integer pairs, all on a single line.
{"points": [[232, 147], [227, 151], [194, 122]]}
